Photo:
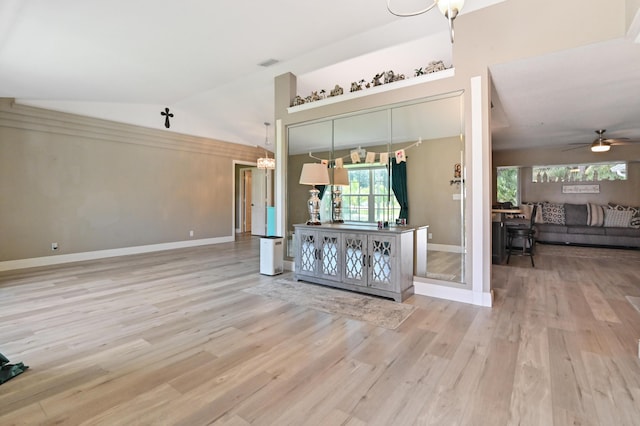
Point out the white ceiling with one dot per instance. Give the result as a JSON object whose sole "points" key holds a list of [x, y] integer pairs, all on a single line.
{"points": [[563, 97], [126, 60]]}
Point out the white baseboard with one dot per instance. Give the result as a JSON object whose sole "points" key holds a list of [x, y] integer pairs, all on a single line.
{"points": [[445, 247], [101, 254], [455, 294], [289, 265]]}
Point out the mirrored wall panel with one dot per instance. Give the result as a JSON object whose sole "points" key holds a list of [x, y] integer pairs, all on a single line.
{"points": [[404, 162]]}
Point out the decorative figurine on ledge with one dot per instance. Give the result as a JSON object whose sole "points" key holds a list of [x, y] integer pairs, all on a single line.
{"points": [[390, 77], [376, 79], [435, 66], [297, 101], [337, 91]]}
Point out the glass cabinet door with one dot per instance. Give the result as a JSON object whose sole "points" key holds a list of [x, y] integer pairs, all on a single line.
{"points": [[307, 254], [329, 250], [355, 256], [381, 262]]}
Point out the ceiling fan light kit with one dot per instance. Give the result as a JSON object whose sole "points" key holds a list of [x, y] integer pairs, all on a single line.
{"points": [[600, 146]]}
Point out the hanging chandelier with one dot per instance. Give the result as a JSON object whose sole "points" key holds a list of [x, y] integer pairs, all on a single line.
{"points": [[266, 162], [449, 8]]}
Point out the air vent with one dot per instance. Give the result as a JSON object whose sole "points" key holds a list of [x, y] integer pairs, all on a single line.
{"points": [[268, 62]]}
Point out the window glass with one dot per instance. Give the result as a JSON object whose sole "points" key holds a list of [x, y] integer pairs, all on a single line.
{"points": [[508, 185], [369, 198], [595, 172]]}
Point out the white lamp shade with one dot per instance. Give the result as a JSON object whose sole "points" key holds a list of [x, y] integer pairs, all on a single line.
{"points": [[341, 176], [314, 174]]}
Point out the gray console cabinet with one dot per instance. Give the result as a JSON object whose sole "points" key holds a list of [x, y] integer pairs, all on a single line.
{"points": [[357, 258]]}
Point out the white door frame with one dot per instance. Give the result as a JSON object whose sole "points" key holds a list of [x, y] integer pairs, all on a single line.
{"points": [[237, 202]]}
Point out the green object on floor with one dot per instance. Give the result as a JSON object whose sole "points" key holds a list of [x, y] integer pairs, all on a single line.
{"points": [[9, 371]]}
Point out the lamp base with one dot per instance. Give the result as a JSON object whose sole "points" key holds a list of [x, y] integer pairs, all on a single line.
{"points": [[337, 205], [313, 204]]}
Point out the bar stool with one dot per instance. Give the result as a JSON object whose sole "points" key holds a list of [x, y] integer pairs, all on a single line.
{"points": [[526, 233]]}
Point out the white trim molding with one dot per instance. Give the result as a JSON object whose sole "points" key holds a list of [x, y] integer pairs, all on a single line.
{"points": [[102, 254], [448, 292]]}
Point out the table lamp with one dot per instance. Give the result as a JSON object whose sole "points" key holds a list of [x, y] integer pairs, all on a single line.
{"points": [[340, 179], [314, 174]]}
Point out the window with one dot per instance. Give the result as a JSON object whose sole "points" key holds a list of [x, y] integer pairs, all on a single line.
{"points": [[508, 183], [595, 172], [369, 197]]}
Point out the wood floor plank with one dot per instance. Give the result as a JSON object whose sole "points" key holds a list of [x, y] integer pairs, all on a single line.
{"points": [[171, 338], [570, 387]]}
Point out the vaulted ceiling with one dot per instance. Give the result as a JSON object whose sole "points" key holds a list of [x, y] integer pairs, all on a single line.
{"points": [[128, 60]]}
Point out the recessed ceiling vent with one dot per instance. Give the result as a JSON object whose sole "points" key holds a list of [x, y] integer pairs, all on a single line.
{"points": [[268, 63]]}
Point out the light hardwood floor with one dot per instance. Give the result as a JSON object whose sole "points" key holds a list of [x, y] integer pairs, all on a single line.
{"points": [[170, 338], [446, 264]]}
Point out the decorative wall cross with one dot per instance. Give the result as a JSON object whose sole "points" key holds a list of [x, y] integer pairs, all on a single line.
{"points": [[166, 114]]}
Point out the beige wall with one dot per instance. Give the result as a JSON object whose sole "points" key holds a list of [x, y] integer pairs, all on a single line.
{"points": [[430, 168], [622, 192], [91, 185]]}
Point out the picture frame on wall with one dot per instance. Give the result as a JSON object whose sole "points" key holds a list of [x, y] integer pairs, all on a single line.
{"points": [[580, 189]]}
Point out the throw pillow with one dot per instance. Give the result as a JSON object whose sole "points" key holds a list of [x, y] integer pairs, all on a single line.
{"points": [[526, 210], [529, 206], [595, 214], [575, 214], [617, 218], [553, 213], [635, 218]]}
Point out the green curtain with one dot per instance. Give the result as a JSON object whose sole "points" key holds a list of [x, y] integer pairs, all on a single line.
{"points": [[399, 186], [321, 188]]}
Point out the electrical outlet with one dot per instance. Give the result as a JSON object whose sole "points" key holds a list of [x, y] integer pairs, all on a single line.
{"points": [[54, 246], [191, 233], [430, 235]]}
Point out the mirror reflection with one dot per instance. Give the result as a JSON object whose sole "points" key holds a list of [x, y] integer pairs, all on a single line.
{"points": [[424, 186]]}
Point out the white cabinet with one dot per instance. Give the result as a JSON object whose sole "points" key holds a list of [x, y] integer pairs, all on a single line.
{"points": [[359, 258]]}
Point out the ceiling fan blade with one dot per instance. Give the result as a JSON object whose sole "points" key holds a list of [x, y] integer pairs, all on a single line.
{"points": [[580, 146], [623, 141], [613, 140]]}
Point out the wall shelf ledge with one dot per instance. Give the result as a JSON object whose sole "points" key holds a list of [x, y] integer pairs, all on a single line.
{"points": [[450, 72]]}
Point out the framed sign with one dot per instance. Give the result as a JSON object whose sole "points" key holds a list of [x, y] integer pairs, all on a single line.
{"points": [[580, 189]]}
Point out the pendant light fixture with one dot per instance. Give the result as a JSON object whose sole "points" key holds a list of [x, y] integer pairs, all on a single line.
{"points": [[266, 162], [449, 8]]}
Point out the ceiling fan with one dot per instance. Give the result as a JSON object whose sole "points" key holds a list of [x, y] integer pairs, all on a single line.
{"points": [[602, 144]]}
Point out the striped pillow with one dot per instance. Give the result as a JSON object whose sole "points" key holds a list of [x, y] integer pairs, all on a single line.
{"points": [[528, 205], [595, 215]]}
